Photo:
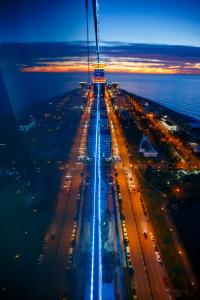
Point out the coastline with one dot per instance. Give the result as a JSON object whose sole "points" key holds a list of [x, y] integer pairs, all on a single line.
{"points": [[172, 221], [163, 109]]}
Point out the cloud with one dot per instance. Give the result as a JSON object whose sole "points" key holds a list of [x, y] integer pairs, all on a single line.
{"points": [[118, 57]]}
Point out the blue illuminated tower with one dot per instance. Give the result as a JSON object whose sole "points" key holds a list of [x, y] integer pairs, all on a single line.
{"points": [[99, 73]]}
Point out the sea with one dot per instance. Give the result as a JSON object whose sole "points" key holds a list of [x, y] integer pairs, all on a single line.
{"points": [[178, 92]]}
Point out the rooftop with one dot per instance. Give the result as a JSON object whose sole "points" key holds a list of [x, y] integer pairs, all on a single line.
{"points": [[168, 122]]}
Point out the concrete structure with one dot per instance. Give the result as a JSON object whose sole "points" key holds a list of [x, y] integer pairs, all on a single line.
{"points": [[99, 73], [146, 148], [169, 125], [115, 89]]}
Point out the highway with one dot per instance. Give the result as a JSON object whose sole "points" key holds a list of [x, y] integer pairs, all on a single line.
{"points": [[50, 283], [149, 273], [142, 284]]}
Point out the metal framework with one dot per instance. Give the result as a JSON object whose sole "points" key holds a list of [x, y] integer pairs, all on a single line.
{"points": [[88, 44], [96, 266], [96, 25]]}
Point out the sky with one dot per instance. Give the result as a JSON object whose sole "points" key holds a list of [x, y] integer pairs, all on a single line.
{"points": [[118, 57], [174, 22], [136, 36]]}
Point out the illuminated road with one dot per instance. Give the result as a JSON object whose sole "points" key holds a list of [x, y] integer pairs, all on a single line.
{"points": [[96, 267], [142, 284], [149, 273], [50, 283]]}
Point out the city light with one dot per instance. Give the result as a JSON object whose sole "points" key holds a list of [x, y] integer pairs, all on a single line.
{"points": [[101, 173], [96, 270]]}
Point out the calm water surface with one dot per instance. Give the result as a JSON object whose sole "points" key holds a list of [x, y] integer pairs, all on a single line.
{"points": [[179, 92]]}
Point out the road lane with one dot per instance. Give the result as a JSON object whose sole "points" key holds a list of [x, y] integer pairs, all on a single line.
{"points": [[142, 284], [154, 270], [51, 273]]}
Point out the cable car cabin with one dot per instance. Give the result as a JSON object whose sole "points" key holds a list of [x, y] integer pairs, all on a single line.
{"points": [[99, 73]]}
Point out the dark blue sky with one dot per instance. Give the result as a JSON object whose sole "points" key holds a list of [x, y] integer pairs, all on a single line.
{"points": [[144, 21]]}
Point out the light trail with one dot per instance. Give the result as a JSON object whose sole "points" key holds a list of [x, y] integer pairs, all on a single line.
{"points": [[99, 203], [96, 268]]}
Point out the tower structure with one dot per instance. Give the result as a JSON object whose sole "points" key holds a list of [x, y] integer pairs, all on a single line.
{"points": [[99, 73]]}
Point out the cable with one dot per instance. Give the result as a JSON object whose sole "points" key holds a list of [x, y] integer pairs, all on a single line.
{"points": [[88, 46], [96, 25]]}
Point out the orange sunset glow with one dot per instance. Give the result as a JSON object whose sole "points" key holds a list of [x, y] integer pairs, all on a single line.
{"points": [[116, 67]]}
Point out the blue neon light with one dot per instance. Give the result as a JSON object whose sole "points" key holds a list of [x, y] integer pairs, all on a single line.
{"points": [[96, 268], [99, 203]]}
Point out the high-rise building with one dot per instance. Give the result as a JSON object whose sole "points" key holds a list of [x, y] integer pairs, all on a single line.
{"points": [[115, 89]]}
